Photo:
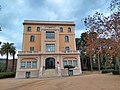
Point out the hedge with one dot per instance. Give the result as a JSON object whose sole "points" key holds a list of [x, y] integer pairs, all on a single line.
{"points": [[7, 74], [116, 72], [107, 70]]}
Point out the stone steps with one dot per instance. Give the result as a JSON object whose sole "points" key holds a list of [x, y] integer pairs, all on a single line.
{"points": [[50, 73]]}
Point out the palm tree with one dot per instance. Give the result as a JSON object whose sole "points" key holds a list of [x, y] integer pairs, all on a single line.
{"points": [[13, 52], [5, 50]]}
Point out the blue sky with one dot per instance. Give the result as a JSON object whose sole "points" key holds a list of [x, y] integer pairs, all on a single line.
{"points": [[14, 12]]}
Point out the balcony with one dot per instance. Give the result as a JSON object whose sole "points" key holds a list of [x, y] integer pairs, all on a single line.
{"points": [[49, 53]]}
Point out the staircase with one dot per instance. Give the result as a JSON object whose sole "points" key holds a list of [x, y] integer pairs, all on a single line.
{"points": [[50, 73]]}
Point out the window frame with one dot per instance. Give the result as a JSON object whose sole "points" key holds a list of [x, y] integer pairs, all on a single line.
{"points": [[32, 49], [67, 48], [37, 29], [23, 65], [51, 48], [32, 38], [75, 63], [29, 28], [34, 66], [66, 38], [50, 35], [61, 29], [69, 29], [28, 66]]}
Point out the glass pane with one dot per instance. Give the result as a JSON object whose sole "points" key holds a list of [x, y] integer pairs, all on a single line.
{"points": [[29, 28], [66, 39], [50, 35], [50, 47], [67, 49], [23, 64], [64, 63], [74, 63], [28, 64], [38, 29], [34, 64], [61, 29], [70, 62]]}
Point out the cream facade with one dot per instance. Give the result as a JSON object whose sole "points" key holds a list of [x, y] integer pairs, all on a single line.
{"points": [[48, 46]]}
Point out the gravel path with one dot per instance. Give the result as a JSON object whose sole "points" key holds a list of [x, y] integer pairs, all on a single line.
{"points": [[92, 81]]}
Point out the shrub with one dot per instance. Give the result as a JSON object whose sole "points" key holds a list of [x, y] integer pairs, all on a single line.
{"points": [[107, 70], [116, 72], [7, 74], [69, 66]]}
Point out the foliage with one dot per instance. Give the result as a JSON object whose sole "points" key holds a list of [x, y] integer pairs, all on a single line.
{"points": [[6, 49], [2, 67], [107, 70], [69, 66], [7, 74], [104, 34], [116, 72]]}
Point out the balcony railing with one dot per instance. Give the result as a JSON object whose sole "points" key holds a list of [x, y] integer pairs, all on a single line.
{"points": [[38, 52]]}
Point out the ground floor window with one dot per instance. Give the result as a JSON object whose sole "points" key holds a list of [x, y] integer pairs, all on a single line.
{"points": [[70, 62], [34, 64], [75, 63], [29, 64], [23, 64], [64, 63]]}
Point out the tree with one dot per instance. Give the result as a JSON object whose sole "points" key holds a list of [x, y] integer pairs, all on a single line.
{"points": [[13, 52], [107, 29], [6, 50]]}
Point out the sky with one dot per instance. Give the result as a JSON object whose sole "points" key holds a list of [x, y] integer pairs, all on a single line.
{"points": [[14, 12]]}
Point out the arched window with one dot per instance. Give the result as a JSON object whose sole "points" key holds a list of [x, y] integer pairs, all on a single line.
{"points": [[61, 29], [69, 29], [38, 29], [29, 29], [32, 38]]}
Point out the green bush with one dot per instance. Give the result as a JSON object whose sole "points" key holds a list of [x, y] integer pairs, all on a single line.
{"points": [[69, 66], [107, 70], [7, 74], [116, 72]]}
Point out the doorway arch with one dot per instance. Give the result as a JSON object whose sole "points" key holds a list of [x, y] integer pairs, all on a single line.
{"points": [[50, 63]]}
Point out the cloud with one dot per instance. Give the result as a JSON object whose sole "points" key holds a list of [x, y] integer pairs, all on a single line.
{"points": [[14, 12]]}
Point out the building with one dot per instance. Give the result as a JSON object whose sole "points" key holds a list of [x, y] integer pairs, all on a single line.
{"points": [[47, 47]]}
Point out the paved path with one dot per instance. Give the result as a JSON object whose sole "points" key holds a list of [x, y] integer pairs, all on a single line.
{"points": [[93, 81]]}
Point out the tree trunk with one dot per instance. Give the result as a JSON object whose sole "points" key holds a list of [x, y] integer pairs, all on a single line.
{"points": [[98, 63], [6, 62], [91, 63], [13, 62]]}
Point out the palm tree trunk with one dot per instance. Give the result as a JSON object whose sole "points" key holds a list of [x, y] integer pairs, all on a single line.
{"points": [[13, 62], [6, 62]]}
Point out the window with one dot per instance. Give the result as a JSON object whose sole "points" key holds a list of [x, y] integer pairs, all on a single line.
{"points": [[29, 29], [67, 49], [32, 38], [28, 64], [69, 29], [50, 35], [34, 64], [66, 39], [50, 47], [23, 64], [31, 48], [64, 62], [75, 63], [69, 62], [61, 29], [38, 29]]}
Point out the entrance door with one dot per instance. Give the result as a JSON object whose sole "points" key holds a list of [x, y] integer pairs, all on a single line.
{"points": [[50, 63]]}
